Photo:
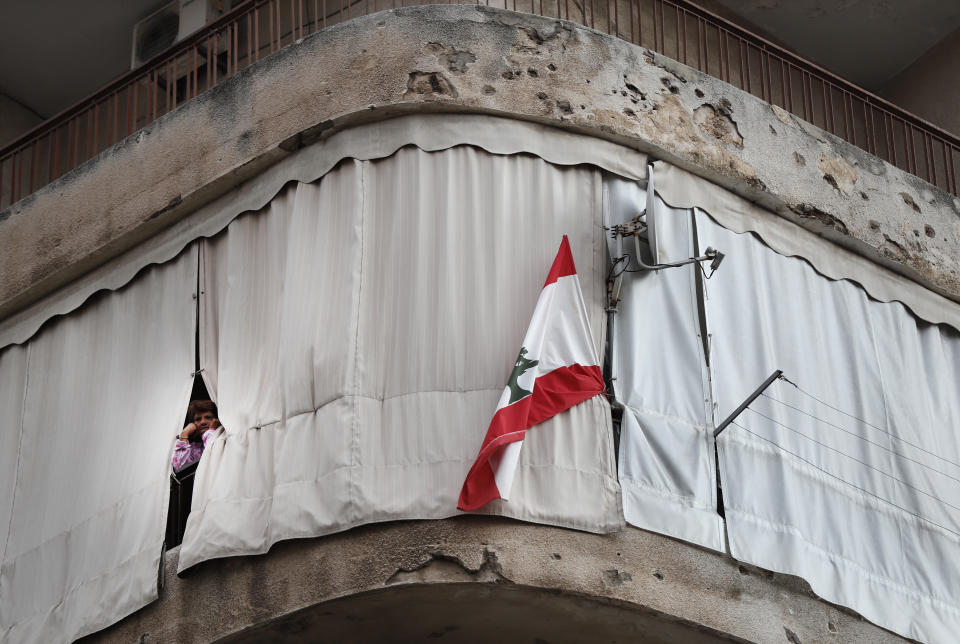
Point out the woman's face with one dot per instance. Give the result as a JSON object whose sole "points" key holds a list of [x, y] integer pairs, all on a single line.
{"points": [[205, 420]]}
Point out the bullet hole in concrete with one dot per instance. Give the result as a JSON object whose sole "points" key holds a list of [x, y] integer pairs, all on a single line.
{"points": [[489, 90], [669, 85], [791, 636], [864, 196], [658, 575], [801, 161], [457, 61], [629, 112], [533, 73], [507, 75], [623, 92], [427, 83], [564, 106], [552, 67], [716, 122], [832, 627], [633, 88], [773, 130], [542, 95], [618, 554], [929, 231], [916, 233], [583, 107], [698, 93], [874, 224], [806, 211], [907, 199], [743, 571], [588, 81], [556, 556], [615, 577], [829, 178]]}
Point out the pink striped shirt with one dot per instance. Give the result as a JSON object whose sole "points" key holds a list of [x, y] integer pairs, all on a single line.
{"points": [[188, 452]]}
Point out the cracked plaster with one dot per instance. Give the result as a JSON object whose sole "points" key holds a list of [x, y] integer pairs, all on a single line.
{"points": [[608, 584]]}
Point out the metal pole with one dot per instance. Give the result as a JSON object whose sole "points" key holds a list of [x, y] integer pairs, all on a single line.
{"points": [[746, 403]]}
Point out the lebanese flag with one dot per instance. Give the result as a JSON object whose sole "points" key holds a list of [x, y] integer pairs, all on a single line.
{"points": [[557, 368]]}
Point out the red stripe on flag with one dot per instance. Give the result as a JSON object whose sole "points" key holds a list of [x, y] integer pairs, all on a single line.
{"points": [[563, 264], [553, 393]]}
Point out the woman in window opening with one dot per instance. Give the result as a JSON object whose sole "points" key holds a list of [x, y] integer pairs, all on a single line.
{"points": [[194, 437]]}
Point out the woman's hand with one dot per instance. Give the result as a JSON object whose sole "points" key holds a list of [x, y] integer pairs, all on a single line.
{"points": [[189, 431]]}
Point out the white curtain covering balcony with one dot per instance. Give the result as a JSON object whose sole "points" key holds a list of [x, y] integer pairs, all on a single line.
{"points": [[89, 408], [852, 480], [666, 464], [358, 332]]}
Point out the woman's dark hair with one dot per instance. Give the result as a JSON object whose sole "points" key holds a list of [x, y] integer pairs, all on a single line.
{"points": [[200, 406]]}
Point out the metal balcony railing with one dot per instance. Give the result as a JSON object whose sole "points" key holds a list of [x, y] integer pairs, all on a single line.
{"points": [[675, 28]]}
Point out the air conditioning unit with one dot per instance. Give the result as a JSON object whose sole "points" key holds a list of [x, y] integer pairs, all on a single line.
{"points": [[174, 22]]}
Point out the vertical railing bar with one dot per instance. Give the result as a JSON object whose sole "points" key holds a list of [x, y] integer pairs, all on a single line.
{"points": [[928, 152], [51, 151], [91, 131], [913, 150], [15, 179], [946, 173], [676, 13], [726, 51], [746, 47], [699, 45], [706, 47], [116, 109], [892, 140], [833, 117], [906, 146], [34, 165], [953, 169], [616, 16], [769, 72]]}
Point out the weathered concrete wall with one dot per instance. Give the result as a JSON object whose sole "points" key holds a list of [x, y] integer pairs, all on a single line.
{"points": [[642, 586], [469, 58]]}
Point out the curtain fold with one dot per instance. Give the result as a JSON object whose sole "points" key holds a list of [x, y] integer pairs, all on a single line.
{"points": [[666, 461], [359, 331], [100, 400], [851, 479]]}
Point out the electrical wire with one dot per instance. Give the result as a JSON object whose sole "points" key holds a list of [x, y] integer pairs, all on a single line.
{"points": [[845, 482], [849, 415], [857, 460], [867, 440]]}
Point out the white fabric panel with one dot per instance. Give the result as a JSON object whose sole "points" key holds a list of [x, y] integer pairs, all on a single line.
{"points": [[367, 324], [868, 512], [13, 383], [429, 132], [104, 396], [667, 468], [682, 189]]}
